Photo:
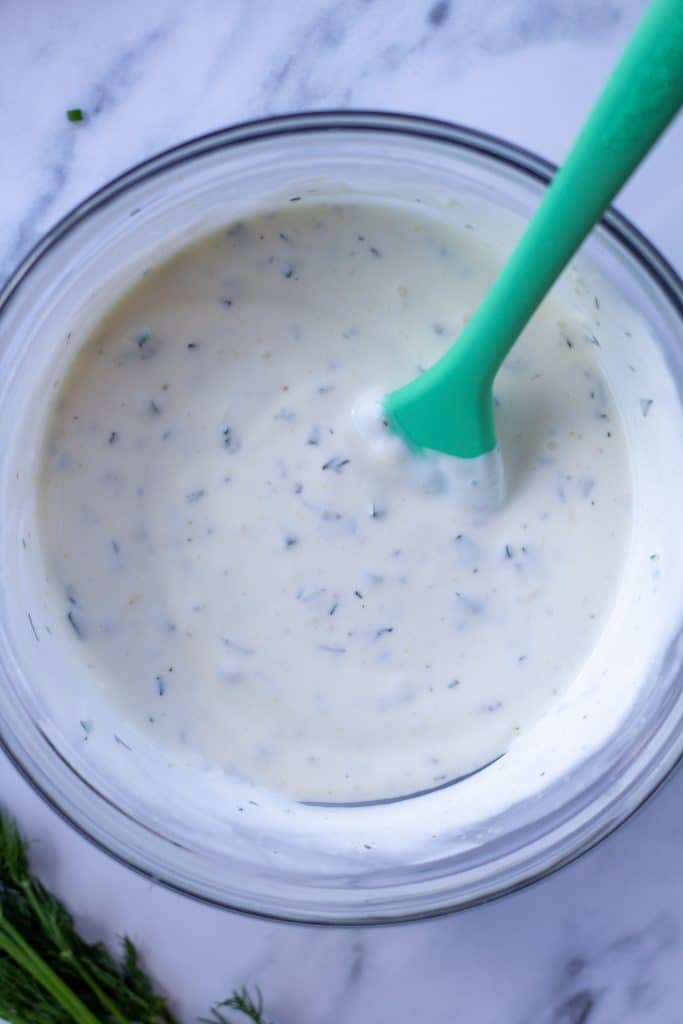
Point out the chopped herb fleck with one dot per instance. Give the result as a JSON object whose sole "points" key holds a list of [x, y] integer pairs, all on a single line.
{"points": [[33, 628], [75, 114], [238, 231], [231, 442], [147, 345], [336, 464], [74, 625]]}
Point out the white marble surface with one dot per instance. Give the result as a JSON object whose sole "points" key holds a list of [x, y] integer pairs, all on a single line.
{"points": [[600, 941]]}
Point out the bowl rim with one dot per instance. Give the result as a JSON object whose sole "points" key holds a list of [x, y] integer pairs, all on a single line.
{"points": [[621, 230]]}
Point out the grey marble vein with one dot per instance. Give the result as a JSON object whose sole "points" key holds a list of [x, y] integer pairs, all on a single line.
{"points": [[370, 40], [606, 985], [115, 83]]}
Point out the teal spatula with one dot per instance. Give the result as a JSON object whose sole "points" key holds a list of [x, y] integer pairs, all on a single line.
{"points": [[450, 407]]}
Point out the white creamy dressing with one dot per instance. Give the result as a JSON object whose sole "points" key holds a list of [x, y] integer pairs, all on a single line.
{"points": [[248, 587]]}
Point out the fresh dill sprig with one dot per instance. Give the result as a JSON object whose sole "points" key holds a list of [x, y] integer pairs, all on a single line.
{"points": [[242, 1003], [49, 974]]}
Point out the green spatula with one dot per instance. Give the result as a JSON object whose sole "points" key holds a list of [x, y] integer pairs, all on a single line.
{"points": [[450, 407]]}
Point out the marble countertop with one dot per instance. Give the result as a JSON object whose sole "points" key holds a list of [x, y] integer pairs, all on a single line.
{"points": [[601, 940]]}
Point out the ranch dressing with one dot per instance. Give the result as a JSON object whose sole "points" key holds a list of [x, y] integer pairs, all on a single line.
{"points": [[248, 586]]}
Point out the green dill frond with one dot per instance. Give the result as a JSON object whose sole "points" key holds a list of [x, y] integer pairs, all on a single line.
{"points": [[242, 1003], [49, 974], [13, 856]]}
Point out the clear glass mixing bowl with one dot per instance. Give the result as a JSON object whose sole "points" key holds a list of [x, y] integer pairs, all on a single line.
{"points": [[151, 823]]}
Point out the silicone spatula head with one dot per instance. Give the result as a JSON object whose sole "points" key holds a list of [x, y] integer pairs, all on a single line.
{"points": [[450, 407]]}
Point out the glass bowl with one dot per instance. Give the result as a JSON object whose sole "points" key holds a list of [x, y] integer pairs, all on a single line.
{"points": [[325, 864]]}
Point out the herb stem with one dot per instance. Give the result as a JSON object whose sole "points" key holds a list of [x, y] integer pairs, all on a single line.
{"points": [[67, 953], [25, 957], [104, 999]]}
